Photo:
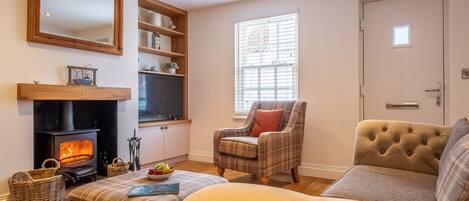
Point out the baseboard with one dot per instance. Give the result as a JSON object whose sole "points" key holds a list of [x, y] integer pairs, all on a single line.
{"points": [[322, 171], [4, 197], [306, 169], [202, 156]]}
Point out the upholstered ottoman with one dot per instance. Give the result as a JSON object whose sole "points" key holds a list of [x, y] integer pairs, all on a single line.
{"points": [[251, 192], [116, 188]]}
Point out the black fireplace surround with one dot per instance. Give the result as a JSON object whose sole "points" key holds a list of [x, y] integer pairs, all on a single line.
{"points": [[91, 123]]}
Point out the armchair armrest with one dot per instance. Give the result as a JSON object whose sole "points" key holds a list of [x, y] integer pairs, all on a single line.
{"points": [[226, 132], [231, 132], [278, 151]]}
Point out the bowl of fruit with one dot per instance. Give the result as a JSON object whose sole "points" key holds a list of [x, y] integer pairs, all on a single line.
{"points": [[161, 171]]}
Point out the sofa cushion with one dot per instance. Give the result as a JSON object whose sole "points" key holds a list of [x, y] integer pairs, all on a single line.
{"points": [[370, 183], [460, 129], [245, 147], [453, 182]]}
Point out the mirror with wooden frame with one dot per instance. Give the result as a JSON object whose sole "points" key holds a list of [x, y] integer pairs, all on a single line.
{"points": [[94, 25]]}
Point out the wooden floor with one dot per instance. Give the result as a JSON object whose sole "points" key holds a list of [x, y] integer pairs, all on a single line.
{"points": [[307, 185]]}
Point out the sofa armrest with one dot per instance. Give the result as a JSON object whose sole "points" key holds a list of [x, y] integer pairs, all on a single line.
{"points": [[400, 144]]}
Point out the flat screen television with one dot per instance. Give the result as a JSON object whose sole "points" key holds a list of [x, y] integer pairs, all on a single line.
{"points": [[160, 97]]}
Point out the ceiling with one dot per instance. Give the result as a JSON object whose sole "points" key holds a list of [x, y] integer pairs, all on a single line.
{"points": [[197, 4]]}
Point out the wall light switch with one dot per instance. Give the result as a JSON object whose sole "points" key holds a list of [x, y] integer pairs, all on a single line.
{"points": [[465, 73]]}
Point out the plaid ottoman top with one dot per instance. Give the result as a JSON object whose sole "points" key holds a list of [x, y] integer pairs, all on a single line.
{"points": [[116, 188]]}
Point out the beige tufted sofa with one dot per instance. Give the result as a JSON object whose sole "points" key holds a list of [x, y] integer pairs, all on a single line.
{"points": [[393, 160]]}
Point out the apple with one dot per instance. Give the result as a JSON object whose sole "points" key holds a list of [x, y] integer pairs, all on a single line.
{"points": [[161, 168]]}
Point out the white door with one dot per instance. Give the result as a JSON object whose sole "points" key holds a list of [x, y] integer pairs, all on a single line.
{"points": [[403, 60]]}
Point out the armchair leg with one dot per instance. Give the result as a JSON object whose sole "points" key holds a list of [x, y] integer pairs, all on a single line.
{"points": [[294, 175], [265, 180], [221, 171]]}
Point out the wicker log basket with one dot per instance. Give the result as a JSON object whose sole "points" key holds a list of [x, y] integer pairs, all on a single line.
{"points": [[117, 167], [38, 185]]}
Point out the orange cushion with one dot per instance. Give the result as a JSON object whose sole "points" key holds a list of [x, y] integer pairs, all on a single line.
{"points": [[267, 121]]}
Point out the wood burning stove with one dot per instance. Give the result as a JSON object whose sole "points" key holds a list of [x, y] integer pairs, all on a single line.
{"points": [[81, 135], [76, 150]]}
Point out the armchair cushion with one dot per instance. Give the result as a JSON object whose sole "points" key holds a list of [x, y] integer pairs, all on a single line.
{"points": [[267, 121], [244, 147]]}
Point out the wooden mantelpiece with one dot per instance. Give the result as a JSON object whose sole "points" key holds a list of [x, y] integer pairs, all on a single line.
{"points": [[70, 92]]}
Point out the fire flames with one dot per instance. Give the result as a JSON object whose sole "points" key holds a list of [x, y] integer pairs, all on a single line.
{"points": [[76, 151]]}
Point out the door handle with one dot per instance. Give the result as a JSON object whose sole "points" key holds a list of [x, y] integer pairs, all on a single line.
{"points": [[438, 96]]}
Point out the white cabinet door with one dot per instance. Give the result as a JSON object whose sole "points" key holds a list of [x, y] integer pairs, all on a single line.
{"points": [[176, 140], [152, 145]]}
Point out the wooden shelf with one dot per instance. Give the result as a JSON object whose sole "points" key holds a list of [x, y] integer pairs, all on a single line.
{"points": [[160, 7], [159, 52], [161, 73], [163, 123], [70, 92], [153, 28]]}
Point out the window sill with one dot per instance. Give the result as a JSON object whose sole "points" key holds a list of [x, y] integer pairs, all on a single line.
{"points": [[239, 117]]}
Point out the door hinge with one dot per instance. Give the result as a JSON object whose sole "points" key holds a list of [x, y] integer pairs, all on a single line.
{"points": [[362, 25]]}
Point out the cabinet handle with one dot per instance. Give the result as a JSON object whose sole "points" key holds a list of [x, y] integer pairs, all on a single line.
{"points": [[166, 127], [162, 127]]}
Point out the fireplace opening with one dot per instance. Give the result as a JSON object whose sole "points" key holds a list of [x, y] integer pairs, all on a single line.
{"points": [[76, 151], [81, 135]]}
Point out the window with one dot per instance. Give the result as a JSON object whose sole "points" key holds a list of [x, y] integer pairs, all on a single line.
{"points": [[266, 61], [401, 36]]}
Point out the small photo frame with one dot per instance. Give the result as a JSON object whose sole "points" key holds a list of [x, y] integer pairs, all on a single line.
{"points": [[84, 76]]}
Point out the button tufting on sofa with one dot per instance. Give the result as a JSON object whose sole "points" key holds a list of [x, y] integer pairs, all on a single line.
{"points": [[383, 143], [409, 153], [382, 151], [424, 141]]}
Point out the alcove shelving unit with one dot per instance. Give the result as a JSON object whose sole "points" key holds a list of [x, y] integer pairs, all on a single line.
{"points": [[166, 140], [178, 52]]}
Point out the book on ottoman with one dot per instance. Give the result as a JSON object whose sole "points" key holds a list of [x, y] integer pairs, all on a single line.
{"points": [[157, 189]]}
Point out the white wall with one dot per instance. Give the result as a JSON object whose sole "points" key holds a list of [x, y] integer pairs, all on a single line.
{"points": [[458, 58], [328, 76], [24, 62]]}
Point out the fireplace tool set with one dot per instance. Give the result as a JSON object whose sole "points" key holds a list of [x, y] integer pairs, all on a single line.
{"points": [[134, 151]]}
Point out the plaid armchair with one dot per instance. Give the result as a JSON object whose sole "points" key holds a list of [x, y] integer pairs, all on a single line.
{"points": [[268, 154]]}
